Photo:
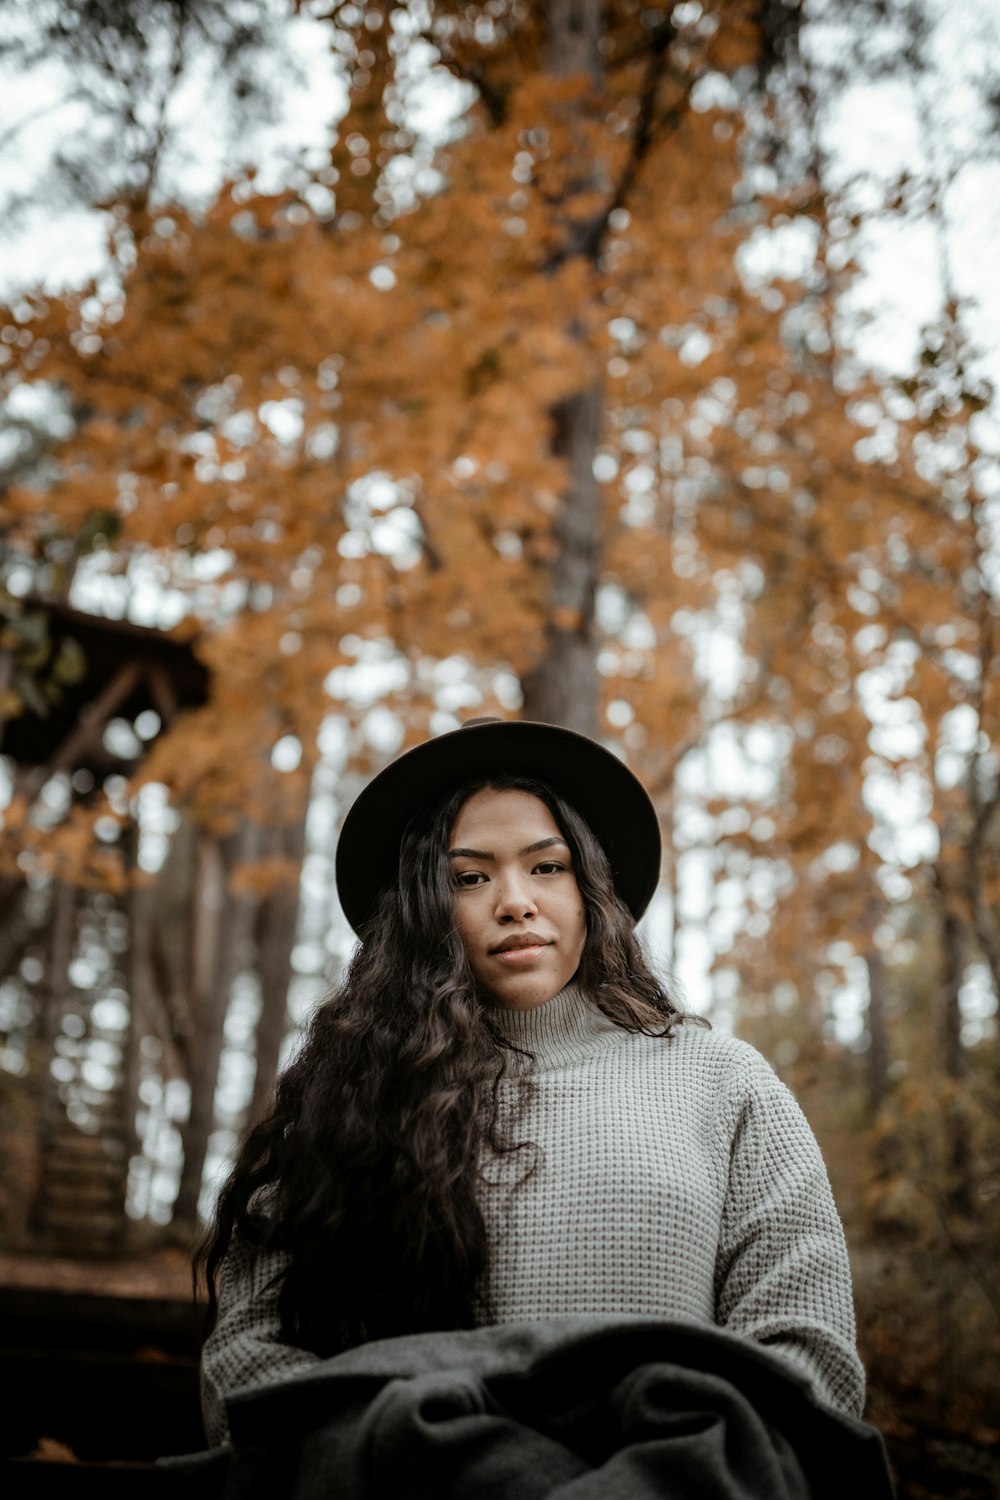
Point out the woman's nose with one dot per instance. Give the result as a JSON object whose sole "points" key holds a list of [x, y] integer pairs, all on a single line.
{"points": [[514, 899]]}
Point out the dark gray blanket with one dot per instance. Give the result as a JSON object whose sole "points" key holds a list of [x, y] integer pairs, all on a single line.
{"points": [[572, 1409]]}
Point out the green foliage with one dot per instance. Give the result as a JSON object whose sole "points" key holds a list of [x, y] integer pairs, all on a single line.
{"points": [[39, 668]]}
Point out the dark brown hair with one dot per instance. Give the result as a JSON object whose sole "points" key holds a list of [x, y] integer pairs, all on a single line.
{"points": [[367, 1170]]}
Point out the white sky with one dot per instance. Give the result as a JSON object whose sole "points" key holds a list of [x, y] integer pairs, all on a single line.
{"points": [[936, 122]]}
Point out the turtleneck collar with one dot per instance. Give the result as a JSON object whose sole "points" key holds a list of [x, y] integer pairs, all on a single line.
{"points": [[569, 1028]]}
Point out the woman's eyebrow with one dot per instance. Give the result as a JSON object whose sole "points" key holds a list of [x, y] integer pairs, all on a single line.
{"points": [[543, 844], [485, 854]]}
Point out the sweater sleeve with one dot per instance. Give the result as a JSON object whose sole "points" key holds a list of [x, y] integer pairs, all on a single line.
{"points": [[782, 1273], [246, 1347]]}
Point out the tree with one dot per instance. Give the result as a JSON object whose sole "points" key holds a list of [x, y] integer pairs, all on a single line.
{"points": [[504, 287], [109, 76]]}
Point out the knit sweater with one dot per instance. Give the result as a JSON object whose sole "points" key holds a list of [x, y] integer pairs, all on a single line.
{"points": [[675, 1177]]}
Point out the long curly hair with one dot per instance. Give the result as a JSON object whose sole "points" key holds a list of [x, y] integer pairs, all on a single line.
{"points": [[367, 1170]]}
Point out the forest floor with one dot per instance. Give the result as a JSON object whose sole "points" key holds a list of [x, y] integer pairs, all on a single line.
{"points": [[939, 1467], [160, 1274]]}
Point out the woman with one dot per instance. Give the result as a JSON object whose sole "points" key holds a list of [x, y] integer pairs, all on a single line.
{"points": [[501, 1115]]}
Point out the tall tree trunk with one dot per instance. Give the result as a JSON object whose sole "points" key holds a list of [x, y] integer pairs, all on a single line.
{"points": [[573, 37], [959, 1191], [562, 686], [878, 1041], [223, 926], [980, 849], [276, 930], [950, 1015]]}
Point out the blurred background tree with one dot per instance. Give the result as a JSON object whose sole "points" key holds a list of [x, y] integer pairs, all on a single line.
{"points": [[557, 398]]}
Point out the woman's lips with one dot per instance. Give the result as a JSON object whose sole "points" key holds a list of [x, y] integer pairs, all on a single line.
{"points": [[521, 955]]}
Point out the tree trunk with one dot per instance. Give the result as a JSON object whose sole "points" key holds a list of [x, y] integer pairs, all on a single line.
{"points": [[276, 931], [573, 37], [959, 1193], [950, 1015], [562, 686], [878, 1041], [981, 853], [222, 929]]}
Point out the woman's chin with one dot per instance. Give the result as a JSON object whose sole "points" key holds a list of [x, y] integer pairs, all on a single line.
{"points": [[524, 996]]}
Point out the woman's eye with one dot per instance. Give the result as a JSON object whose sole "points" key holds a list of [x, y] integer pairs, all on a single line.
{"points": [[468, 878], [549, 867]]}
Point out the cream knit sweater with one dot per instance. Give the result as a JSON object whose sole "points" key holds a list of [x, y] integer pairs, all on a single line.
{"points": [[676, 1178]]}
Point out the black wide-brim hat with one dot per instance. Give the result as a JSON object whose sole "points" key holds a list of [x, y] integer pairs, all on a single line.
{"points": [[591, 779]]}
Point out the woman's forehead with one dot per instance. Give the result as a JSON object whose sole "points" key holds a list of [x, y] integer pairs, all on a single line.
{"points": [[503, 811]]}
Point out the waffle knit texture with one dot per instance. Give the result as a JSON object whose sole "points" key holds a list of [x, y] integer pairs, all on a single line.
{"points": [[676, 1178]]}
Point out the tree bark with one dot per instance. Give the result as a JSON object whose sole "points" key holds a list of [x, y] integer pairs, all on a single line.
{"points": [[959, 1193], [562, 687], [878, 1041], [980, 852], [223, 924], [950, 1015], [573, 37], [277, 924]]}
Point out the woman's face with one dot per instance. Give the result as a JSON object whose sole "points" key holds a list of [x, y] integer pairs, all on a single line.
{"points": [[518, 908]]}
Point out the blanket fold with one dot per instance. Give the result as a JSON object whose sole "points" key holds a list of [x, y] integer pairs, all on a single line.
{"points": [[569, 1409]]}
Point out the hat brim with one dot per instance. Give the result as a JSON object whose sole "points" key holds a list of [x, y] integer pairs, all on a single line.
{"points": [[595, 782]]}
